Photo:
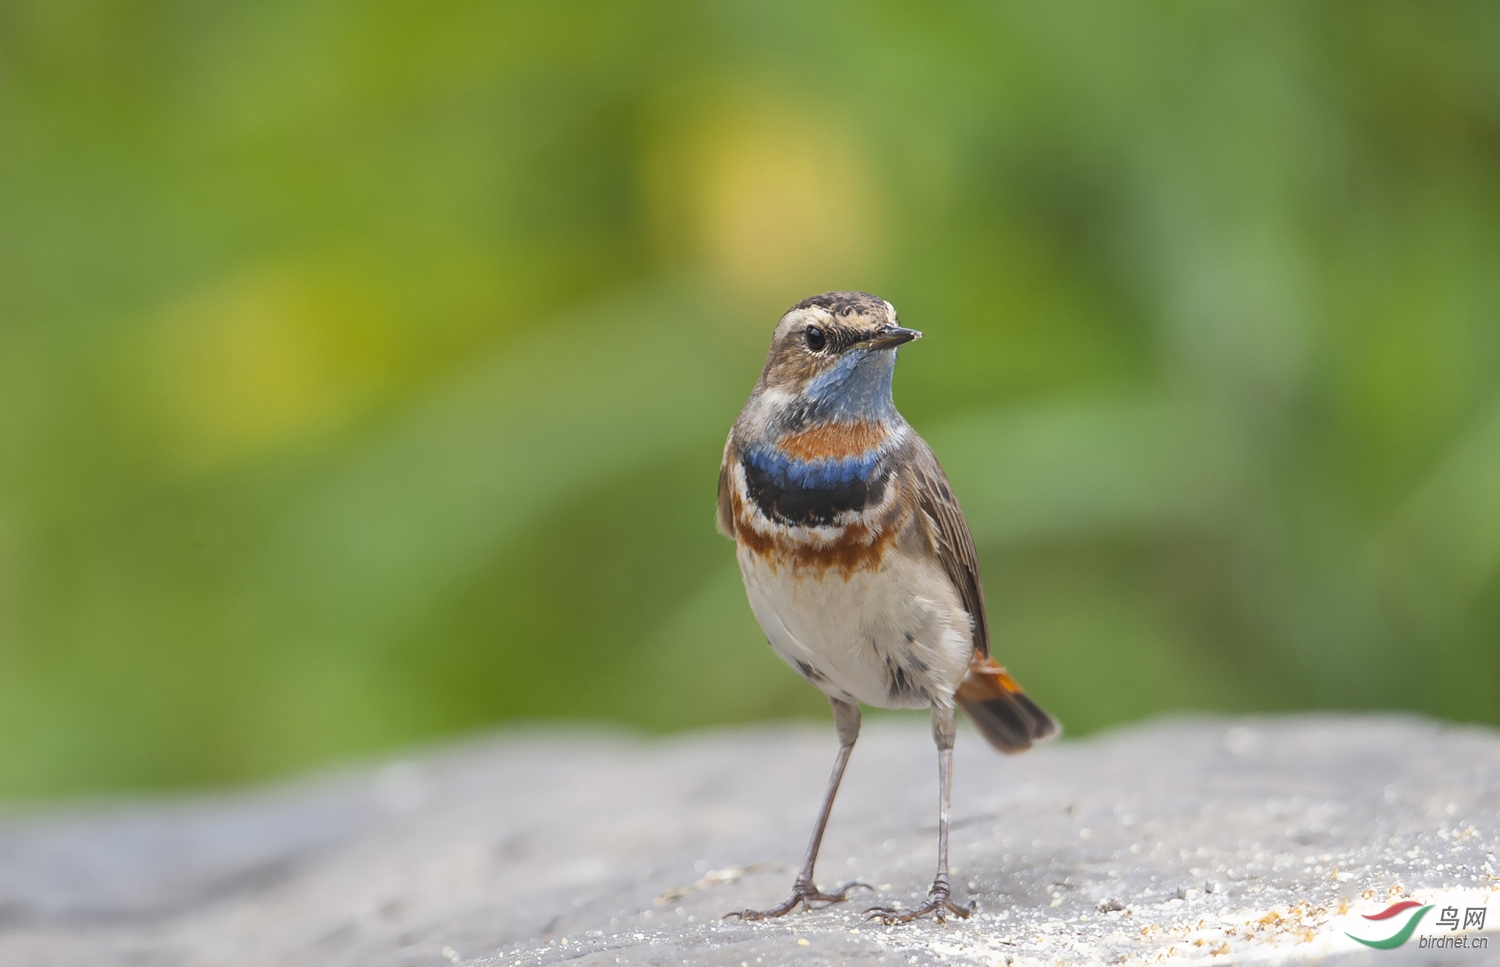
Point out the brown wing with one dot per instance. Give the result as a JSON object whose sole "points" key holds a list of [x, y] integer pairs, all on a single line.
{"points": [[950, 535]]}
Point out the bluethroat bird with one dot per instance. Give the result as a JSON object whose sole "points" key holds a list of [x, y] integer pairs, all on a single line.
{"points": [[857, 562]]}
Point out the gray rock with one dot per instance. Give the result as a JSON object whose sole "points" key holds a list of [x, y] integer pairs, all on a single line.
{"points": [[1188, 840]]}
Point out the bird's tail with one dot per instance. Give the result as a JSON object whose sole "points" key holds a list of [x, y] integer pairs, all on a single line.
{"points": [[999, 709]]}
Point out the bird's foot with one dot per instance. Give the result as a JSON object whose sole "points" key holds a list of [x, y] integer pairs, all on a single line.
{"points": [[805, 894], [938, 904]]}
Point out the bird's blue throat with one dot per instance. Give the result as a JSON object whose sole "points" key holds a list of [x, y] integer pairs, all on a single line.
{"points": [[855, 389]]}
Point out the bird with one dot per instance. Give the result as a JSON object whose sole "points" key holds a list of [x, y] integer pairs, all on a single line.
{"points": [[857, 561]]}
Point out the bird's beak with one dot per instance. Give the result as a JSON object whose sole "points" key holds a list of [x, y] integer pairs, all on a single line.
{"points": [[892, 336]]}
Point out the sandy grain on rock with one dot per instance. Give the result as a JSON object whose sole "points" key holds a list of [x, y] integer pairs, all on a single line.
{"points": [[1188, 841]]}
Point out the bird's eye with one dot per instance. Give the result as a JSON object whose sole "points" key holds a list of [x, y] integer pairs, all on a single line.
{"points": [[815, 339]]}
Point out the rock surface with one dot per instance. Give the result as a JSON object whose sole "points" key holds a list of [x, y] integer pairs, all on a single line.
{"points": [[1186, 840]]}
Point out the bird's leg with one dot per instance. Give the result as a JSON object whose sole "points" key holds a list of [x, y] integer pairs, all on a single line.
{"points": [[938, 898], [804, 892]]}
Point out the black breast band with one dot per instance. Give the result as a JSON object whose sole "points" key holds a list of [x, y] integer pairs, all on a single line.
{"points": [[809, 499]]}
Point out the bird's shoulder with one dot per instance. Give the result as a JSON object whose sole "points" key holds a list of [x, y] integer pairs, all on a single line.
{"points": [[725, 518]]}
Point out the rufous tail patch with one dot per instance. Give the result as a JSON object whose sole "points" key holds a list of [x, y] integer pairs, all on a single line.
{"points": [[986, 679]]}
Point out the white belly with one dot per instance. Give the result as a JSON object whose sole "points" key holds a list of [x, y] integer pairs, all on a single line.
{"points": [[896, 637]]}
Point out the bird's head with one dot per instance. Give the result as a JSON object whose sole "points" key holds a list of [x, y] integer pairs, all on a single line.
{"points": [[832, 358]]}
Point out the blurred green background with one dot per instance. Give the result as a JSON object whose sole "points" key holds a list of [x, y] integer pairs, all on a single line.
{"points": [[364, 367]]}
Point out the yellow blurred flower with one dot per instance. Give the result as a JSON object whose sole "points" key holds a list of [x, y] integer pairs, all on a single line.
{"points": [[277, 356], [777, 199]]}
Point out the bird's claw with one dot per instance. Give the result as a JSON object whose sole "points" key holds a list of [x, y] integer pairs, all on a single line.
{"points": [[938, 904], [803, 894]]}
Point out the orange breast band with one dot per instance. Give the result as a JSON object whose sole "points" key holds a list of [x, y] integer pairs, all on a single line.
{"points": [[832, 441]]}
